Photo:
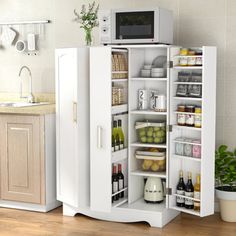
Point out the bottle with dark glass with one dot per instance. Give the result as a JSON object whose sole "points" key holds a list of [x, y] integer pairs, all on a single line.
{"points": [[180, 190], [121, 135], [189, 192], [115, 137], [120, 177], [115, 184]]}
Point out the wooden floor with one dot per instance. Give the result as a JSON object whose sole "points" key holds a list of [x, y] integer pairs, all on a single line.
{"points": [[23, 223]]}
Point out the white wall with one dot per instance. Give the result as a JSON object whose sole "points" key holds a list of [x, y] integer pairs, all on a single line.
{"points": [[197, 22]]}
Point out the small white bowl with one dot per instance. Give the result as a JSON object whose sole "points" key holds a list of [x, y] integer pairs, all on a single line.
{"points": [[147, 67]]}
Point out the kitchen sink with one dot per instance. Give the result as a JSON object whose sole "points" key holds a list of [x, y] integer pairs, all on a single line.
{"points": [[22, 104]]}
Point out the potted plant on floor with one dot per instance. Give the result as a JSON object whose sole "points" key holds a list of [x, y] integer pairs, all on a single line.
{"points": [[225, 173]]}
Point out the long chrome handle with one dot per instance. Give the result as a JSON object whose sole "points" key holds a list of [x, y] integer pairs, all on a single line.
{"points": [[75, 112], [99, 137]]}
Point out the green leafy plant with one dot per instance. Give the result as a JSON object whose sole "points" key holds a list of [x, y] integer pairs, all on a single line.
{"points": [[88, 19], [225, 169]]}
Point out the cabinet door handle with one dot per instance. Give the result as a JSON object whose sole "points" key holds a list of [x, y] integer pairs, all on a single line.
{"points": [[75, 112], [99, 137]]}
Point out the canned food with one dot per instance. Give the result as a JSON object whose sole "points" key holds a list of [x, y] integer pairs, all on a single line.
{"points": [[142, 99]]}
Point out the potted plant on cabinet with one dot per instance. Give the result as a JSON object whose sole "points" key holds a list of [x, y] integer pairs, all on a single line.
{"points": [[225, 173]]}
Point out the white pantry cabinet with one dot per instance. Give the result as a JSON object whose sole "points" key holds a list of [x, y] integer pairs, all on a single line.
{"points": [[98, 160]]}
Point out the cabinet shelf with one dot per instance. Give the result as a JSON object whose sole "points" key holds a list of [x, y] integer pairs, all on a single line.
{"points": [[137, 144], [149, 173], [184, 142], [141, 205], [193, 83], [120, 202], [120, 72], [187, 67], [120, 80], [188, 98], [147, 112], [188, 158], [148, 79], [186, 128], [194, 56], [119, 155], [119, 109], [122, 190], [189, 211], [190, 198]]}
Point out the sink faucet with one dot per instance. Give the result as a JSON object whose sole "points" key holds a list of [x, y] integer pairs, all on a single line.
{"points": [[30, 97]]}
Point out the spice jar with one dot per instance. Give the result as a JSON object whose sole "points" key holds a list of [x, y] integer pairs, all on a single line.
{"points": [[198, 61], [198, 117], [190, 109], [183, 61], [189, 120], [183, 51], [181, 120], [181, 108], [196, 149], [191, 61]]}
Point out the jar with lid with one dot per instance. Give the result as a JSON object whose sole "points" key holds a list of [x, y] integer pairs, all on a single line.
{"points": [[183, 51], [183, 61], [191, 61], [198, 117], [181, 120], [181, 108], [190, 108]]}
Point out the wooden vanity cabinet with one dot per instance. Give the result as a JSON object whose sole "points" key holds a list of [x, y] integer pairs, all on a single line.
{"points": [[27, 152]]}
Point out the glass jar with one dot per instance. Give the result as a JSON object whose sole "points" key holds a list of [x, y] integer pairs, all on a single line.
{"points": [[198, 61], [188, 150], [189, 120], [183, 61], [181, 120], [196, 149], [179, 149], [198, 117], [190, 109], [181, 108], [183, 51], [191, 61]]}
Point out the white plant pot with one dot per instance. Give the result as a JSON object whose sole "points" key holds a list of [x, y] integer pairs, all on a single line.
{"points": [[227, 205]]}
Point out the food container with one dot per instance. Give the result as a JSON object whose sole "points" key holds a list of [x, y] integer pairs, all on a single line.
{"points": [[152, 94], [189, 120], [151, 132], [184, 76], [160, 103], [191, 61], [190, 109], [188, 148], [142, 99], [147, 67], [153, 159], [117, 96], [196, 149], [184, 51], [196, 77], [181, 119], [182, 90], [179, 147], [158, 72], [195, 90], [183, 61], [181, 108], [146, 73], [198, 117], [198, 61]]}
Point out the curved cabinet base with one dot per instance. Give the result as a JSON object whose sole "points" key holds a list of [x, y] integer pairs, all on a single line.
{"points": [[125, 215]]}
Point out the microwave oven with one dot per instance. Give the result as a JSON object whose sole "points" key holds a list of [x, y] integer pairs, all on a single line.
{"points": [[136, 26]]}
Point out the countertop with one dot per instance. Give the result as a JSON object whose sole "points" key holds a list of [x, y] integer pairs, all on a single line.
{"points": [[33, 110]]}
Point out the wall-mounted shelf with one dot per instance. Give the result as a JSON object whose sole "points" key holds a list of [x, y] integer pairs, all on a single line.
{"points": [[32, 22]]}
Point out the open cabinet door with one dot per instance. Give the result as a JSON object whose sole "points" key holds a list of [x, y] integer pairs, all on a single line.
{"points": [[100, 129], [192, 148]]}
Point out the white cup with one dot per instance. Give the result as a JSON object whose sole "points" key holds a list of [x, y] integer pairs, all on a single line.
{"points": [[20, 46]]}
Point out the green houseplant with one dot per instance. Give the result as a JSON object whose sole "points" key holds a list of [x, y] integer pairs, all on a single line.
{"points": [[225, 174], [88, 18]]}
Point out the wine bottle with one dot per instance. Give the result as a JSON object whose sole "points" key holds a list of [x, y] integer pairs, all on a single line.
{"points": [[180, 190], [116, 137], [120, 177], [189, 192], [115, 184], [121, 135], [197, 190]]}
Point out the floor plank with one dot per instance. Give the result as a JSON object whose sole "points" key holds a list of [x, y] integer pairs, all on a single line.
{"points": [[24, 223]]}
